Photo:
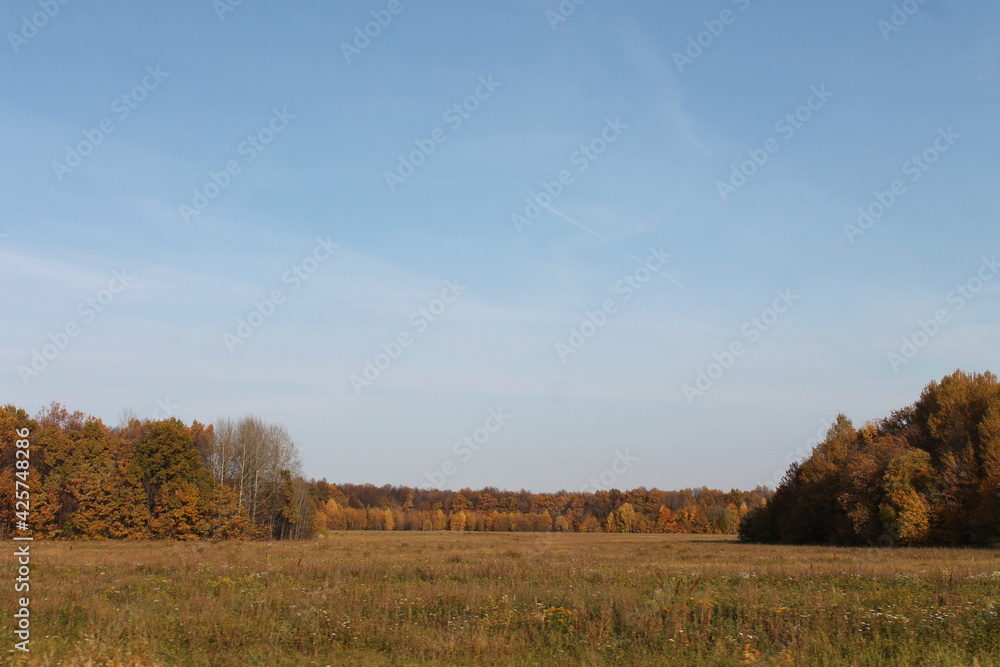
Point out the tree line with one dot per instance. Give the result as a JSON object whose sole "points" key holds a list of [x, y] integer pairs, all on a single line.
{"points": [[242, 479], [928, 474], [154, 479], [369, 507]]}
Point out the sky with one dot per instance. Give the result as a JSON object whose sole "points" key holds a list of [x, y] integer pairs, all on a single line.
{"points": [[524, 244]]}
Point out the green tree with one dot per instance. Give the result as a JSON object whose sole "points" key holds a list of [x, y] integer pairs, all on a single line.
{"points": [[167, 454]]}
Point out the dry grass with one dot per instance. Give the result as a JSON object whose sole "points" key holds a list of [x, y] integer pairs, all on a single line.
{"points": [[374, 598]]}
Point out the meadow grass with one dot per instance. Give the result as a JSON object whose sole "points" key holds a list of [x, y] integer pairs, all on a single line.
{"points": [[411, 598]]}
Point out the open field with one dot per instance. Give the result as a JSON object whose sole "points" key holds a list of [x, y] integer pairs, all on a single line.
{"points": [[508, 599]]}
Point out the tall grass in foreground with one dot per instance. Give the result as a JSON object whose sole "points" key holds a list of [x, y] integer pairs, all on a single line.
{"points": [[508, 599]]}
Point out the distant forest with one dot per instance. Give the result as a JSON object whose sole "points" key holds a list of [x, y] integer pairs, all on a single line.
{"points": [[928, 474], [367, 507], [242, 479]]}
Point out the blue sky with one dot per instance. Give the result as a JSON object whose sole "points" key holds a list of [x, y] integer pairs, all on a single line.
{"points": [[642, 137]]}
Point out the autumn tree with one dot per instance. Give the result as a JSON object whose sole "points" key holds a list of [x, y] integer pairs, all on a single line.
{"points": [[249, 455], [905, 510], [927, 474], [12, 420], [665, 522]]}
